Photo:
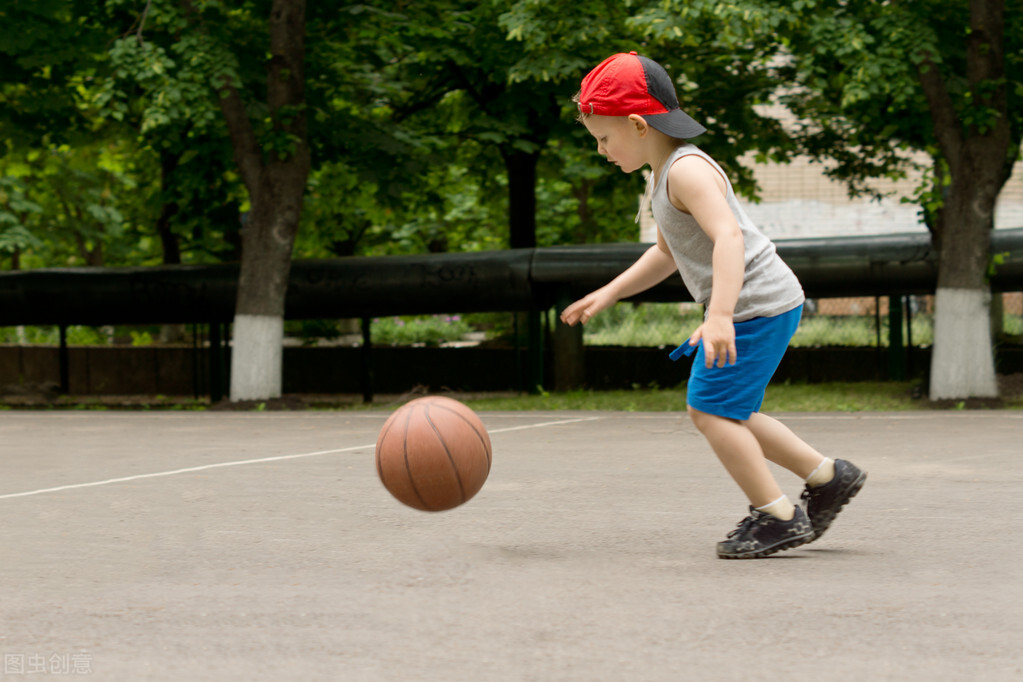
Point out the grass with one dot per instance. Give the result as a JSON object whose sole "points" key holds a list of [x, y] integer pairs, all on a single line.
{"points": [[866, 396], [667, 324], [782, 397], [831, 397]]}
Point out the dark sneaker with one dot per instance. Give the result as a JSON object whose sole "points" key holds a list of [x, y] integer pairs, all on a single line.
{"points": [[825, 501], [760, 535]]}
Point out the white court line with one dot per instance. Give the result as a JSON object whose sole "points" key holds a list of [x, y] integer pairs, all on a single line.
{"points": [[262, 460], [897, 416], [533, 426]]}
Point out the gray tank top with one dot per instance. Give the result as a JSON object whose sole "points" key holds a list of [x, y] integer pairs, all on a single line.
{"points": [[769, 287]]}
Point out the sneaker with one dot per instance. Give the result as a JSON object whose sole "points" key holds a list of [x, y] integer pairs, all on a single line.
{"points": [[761, 534], [825, 501]]}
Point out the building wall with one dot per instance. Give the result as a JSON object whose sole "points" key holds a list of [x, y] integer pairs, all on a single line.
{"points": [[797, 200]]}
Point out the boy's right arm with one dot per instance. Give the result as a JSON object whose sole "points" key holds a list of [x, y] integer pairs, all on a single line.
{"points": [[652, 268]]}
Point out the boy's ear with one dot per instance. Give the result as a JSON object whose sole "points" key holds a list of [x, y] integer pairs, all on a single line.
{"points": [[641, 125]]}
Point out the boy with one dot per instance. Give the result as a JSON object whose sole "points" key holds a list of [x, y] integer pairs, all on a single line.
{"points": [[753, 303]]}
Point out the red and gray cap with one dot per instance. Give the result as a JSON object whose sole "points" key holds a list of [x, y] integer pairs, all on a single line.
{"points": [[627, 83]]}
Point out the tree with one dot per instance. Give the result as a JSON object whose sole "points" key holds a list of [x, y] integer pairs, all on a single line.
{"points": [[45, 48], [457, 64], [720, 55], [16, 212], [263, 104], [162, 96], [274, 171], [64, 205], [879, 80]]}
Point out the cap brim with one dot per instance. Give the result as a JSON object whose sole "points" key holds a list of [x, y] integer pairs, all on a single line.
{"points": [[676, 123]]}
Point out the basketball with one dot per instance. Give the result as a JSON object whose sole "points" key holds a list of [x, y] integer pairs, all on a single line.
{"points": [[433, 454]]}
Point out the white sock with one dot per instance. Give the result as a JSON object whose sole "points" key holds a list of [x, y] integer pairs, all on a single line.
{"points": [[824, 472], [781, 508]]}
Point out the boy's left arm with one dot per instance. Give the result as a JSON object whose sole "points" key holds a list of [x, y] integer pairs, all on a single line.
{"points": [[697, 188]]}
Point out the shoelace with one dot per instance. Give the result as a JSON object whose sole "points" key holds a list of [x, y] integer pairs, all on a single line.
{"points": [[807, 495], [743, 525]]}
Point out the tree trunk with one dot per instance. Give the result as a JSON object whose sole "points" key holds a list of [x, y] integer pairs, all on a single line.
{"points": [[979, 156], [521, 167], [168, 209], [258, 334], [276, 184], [582, 195], [962, 363], [92, 255], [169, 333]]}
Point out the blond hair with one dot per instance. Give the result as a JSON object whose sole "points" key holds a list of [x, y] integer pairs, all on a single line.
{"points": [[583, 115]]}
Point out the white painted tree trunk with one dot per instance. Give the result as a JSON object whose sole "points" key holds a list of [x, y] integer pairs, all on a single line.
{"points": [[962, 364], [257, 357]]}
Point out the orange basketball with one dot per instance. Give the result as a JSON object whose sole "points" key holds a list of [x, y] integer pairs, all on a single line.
{"points": [[433, 454]]}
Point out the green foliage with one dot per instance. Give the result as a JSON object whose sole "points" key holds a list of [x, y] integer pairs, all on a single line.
{"points": [[73, 205], [141, 338], [166, 87], [16, 213], [669, 325], [311, 332], [559, 42], [78, 335], [161, 84], [414, 114], [644, 324], [416, 111], [87, 336], [997, 260], [338, 212], [427, 330], [47, 48], [855, 69]]}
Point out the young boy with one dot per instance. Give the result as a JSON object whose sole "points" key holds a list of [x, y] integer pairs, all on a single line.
{"points": [[753, 303]]}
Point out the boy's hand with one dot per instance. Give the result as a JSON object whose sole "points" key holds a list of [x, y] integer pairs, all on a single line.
{"points": [[718, 336], [587, 306]]}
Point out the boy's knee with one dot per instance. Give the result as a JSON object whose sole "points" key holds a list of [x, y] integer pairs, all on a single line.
{"points": [[704, 420], [701, 420]]}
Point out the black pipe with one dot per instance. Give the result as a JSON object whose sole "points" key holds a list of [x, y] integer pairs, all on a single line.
{"points": [[512, 280]]}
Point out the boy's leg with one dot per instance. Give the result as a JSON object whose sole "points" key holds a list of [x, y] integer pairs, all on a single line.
{"points": [[830, 484], [783, 447], [720, 399], [741, 454], [774, 522]]}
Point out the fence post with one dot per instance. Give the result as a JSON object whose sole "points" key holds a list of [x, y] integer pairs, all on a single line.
{"points": [[896, 349], [64, 358], [367, 360], [910, 368], [196, 373], [216, 363], [534, 353], [569, 369]]}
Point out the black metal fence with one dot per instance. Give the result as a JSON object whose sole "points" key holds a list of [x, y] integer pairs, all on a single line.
{"points": [[863, 292]]}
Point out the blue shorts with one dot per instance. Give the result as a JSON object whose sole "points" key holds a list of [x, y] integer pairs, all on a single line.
{"points": [[737, 391]]}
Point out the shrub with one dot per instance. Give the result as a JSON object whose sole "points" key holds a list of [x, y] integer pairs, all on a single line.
{"points": [[411, 330]]}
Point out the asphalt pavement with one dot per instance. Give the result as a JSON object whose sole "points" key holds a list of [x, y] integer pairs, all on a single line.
{"points": [[261, 546]]}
